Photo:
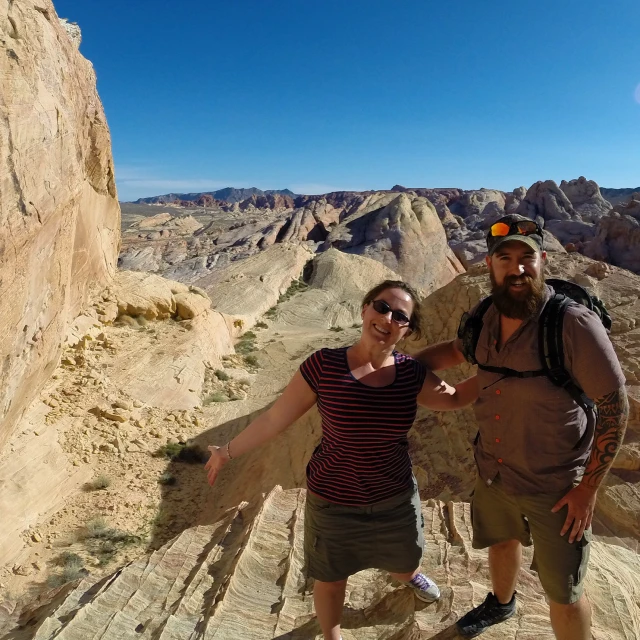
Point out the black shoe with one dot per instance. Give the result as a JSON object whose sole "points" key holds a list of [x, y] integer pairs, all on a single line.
{"points": [[490, 612]]}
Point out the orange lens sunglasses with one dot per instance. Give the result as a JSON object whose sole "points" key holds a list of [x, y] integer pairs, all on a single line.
{"points": [[520, 228]]}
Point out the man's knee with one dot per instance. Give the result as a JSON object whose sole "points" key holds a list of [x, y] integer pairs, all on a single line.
{"points": [[507, 545], [338, 585]]}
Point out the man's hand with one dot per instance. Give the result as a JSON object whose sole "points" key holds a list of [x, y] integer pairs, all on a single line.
{"points": [[581, 502], [219, 457]]}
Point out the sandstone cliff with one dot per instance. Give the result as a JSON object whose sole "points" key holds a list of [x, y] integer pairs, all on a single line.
{"points": [[59, 214]]}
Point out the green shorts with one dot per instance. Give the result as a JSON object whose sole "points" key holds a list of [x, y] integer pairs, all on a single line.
{"points": [[498, 516], [340, 541]]}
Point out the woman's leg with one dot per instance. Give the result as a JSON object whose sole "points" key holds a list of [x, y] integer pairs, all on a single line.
{"points": [[405, 577], [328, 598]]}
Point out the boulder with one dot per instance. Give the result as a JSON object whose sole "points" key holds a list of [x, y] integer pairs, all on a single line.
{"points": [[618, 238], [586, 198], [404, 232], [59, 212]]}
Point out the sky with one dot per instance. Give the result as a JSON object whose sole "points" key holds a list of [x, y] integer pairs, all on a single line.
{"points": [[326, 95]]}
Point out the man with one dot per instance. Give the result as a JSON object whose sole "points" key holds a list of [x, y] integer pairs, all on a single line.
{"points": [[540, 455]]}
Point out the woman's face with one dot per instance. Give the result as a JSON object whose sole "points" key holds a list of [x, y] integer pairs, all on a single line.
{"points": [[389, 323]]}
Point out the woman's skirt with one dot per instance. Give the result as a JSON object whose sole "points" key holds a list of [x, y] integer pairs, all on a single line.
{"points": [[340, 541]]}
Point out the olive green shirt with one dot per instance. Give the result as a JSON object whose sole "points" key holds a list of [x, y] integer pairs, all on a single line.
{"points": [[532, 432]]}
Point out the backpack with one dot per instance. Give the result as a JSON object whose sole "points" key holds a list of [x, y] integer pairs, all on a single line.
{"points": [[550, 344]]}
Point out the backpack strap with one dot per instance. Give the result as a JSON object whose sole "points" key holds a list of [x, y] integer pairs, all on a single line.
{"points": [[551, 348], [470, 328]]}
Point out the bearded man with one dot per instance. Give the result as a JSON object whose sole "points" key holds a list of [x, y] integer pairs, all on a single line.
{"points": [[540, 455]]}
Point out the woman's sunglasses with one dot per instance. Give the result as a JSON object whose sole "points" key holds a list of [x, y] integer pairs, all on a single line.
{"points": [[397, 316], [520, 228]]}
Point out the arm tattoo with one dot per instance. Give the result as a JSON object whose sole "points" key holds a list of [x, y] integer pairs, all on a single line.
{"points": [[613, 412]]}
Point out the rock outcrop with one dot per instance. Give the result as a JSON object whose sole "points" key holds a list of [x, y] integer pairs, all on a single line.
{"points": [[59, 214], [618, 237], [403, 232], [243, 577]]}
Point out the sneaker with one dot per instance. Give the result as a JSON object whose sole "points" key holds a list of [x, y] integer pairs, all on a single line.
{"points": [[424, 588], [488, 613]]}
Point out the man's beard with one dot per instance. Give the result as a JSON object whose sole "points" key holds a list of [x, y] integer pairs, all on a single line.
{"points": [[527, 304]]}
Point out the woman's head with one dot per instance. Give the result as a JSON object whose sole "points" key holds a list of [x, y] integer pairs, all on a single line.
{"points": [[392, 308]]}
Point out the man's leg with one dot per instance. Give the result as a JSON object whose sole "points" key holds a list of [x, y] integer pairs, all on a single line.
{"points": [[505, 559], [561, 566], [328, 598], [571, 621]]}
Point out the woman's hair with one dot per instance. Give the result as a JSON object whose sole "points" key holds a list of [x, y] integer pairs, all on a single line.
{"points": [[415, 321]]}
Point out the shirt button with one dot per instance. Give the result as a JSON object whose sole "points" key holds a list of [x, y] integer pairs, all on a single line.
{"points": [[497, 439], [500, 460], [498, 392], [497, 417]]}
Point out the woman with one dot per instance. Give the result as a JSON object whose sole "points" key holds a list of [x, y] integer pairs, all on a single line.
{"points": [[363, 508]]}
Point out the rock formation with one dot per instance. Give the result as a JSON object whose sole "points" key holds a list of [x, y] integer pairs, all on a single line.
{"points": [[403, 232], [243, 577], [618, 237], [59, 214]]}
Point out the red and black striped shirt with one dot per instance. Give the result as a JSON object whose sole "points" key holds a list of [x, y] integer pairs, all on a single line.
{"points": [[363, 456]]}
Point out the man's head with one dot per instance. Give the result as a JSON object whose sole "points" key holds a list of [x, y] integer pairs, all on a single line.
{"points": [[516, 263]]}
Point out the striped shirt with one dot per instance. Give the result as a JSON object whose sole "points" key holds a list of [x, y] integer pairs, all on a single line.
{"points": [[363, 455]]}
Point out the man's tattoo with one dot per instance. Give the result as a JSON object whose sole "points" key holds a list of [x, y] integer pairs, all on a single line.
{"points": [[613, 412]]}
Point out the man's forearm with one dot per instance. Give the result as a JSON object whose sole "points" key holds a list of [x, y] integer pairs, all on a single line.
{"points": [[443, 355], [613, 412]]}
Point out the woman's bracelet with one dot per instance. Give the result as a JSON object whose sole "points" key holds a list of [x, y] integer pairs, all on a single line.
{"points": [[228, 453]]}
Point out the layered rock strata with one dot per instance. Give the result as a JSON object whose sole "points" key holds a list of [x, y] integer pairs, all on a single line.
{"points": [[59, 214]]}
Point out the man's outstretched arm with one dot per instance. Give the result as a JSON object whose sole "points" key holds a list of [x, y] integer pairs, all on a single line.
{"points": [[613, 413], [443, 355]]}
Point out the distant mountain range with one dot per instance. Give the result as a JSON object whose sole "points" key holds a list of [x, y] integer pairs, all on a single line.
{"points": [[228, 194], [616, 196], [231, 195]]}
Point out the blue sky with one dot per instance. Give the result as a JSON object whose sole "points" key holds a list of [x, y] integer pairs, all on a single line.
{"points": [[321, 95]]}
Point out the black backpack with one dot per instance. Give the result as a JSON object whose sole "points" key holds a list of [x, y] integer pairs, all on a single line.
{"points": [[549, 336]]}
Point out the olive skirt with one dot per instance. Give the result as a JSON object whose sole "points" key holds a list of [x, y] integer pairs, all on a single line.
{"points": [[341, 540]]}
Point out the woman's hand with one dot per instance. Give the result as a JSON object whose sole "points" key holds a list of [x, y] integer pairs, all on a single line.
{"points": [[219, 457]]}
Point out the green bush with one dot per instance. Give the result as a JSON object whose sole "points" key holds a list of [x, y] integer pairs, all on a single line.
{"points": [[222, 375], [336, 329], [261, 325], [249, 335]]}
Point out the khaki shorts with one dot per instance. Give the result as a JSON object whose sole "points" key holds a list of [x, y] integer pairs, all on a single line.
{"points": [[498, 517], [340, 541]]}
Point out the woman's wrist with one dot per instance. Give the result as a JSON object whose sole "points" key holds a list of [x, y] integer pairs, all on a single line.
{"points": [[226, 451]]}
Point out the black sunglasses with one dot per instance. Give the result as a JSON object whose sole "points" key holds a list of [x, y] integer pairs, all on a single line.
{"points": [[397, 316]]}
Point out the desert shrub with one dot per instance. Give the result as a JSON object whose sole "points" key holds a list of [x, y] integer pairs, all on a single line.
{"points": [[336, 329], [104, 542], [216, 397], [261, 325], [222, 375], [167, 479], [271, 313], [249, 335], [296, 286], [245, 346], [252, 361], [101, 482], [179, 452]]}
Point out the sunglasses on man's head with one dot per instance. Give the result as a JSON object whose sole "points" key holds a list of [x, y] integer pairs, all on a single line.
{"points": [[519, 228], [383, 308]]}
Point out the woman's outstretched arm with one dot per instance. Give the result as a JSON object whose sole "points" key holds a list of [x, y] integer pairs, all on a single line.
{"points": [[295, 401], [438, 395]]}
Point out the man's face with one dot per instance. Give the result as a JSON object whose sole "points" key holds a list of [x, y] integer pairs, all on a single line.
{"points": [[516, 272]]}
